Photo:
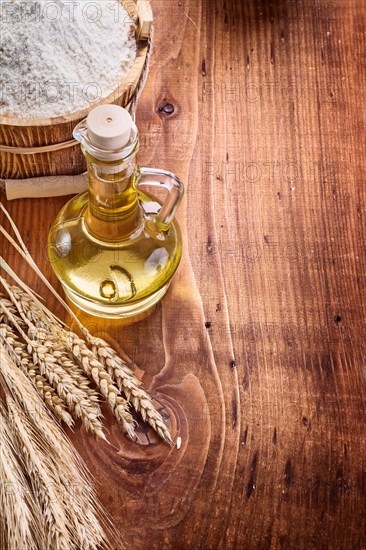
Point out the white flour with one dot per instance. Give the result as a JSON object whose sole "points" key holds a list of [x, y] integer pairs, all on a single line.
{"points": [[59, 56]]}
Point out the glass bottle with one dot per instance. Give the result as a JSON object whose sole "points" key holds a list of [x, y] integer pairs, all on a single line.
{"points": [[115, 247]]}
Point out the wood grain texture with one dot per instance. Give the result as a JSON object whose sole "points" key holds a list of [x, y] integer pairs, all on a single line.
{"points": [[258, 350]]}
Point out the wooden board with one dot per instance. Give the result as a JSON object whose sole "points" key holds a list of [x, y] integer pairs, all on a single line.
{"points": [[258, 351]]}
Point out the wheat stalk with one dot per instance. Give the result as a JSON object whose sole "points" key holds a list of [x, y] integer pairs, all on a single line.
{"points": [[34, 315], [50, 363], [38, 317], [69, 520], [19, 354], [44, 481], [20, 515], [120, 374], [31, 313], [108, 370]]}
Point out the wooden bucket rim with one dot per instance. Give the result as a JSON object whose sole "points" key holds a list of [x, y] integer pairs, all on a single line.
{"points": [[128, 81]]}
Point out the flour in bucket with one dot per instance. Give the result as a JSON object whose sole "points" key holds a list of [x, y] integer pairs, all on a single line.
{"points": [[57, 57]]}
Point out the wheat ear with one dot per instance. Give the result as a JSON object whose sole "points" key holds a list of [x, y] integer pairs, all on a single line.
{"points": [[106, 362], [127, 383], [49, 362], [120, 374], [53, 468], [96, 371], [32, 313], [18, 352]]}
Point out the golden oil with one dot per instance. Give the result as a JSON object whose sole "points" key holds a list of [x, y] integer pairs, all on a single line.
{"points": [[115, 247]]}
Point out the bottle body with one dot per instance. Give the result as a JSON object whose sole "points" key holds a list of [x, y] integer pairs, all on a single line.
{"points": [[115, 248], [117, 277]]}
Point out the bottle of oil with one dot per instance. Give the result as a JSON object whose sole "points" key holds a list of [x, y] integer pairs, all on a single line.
{"points": [[115, 247]]}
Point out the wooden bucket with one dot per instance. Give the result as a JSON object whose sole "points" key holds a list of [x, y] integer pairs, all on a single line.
{"points": [[44, 146]]}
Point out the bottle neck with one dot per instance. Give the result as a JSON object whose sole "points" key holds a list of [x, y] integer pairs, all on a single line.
{"points": [[113, 210]]}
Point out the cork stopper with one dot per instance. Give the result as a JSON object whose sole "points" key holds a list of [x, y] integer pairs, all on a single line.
{"points": [[109, 127]]}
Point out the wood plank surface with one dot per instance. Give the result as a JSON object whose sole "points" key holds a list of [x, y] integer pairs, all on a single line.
{"points": [[258, 351]]}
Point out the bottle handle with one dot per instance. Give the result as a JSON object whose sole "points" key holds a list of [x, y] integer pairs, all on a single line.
{"points": [[169, 181]]}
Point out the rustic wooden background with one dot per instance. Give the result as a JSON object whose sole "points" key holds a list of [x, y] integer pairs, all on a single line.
{"points": [[258, 351]]}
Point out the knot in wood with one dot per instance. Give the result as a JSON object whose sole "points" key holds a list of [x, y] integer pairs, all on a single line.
{"points": [[167, 109]]}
